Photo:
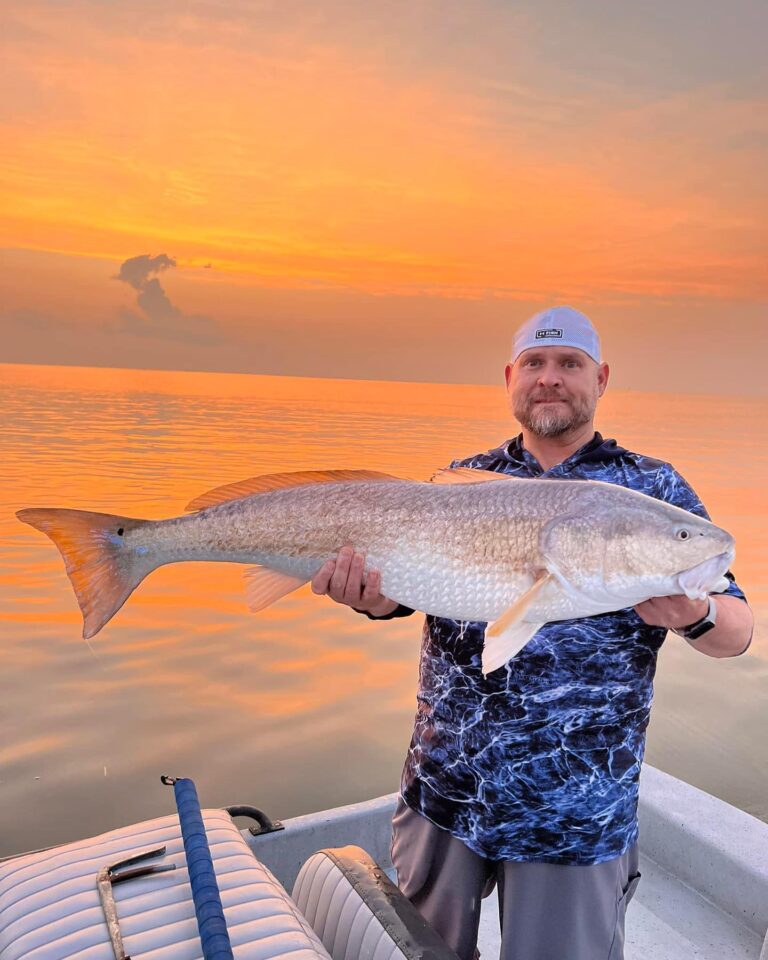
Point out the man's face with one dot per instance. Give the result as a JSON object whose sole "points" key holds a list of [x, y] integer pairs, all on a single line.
{"points": [[554, 390]]}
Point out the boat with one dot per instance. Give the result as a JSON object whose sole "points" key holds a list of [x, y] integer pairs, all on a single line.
{"points": [[703, 893]]}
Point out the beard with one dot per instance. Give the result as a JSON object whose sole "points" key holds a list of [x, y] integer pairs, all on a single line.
{"points": [[549, 421]]}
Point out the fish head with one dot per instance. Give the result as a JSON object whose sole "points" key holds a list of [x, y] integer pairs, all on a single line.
{"points": [[659, 550], [620, 553]]}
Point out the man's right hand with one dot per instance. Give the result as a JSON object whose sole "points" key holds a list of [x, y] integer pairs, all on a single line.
{"points": [[342, 580]]}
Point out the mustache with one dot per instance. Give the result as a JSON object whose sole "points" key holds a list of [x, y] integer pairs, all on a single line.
{"points": [[537, 398]]}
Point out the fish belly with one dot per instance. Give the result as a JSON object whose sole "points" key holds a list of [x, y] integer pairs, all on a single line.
{"points": [[445, 588]]}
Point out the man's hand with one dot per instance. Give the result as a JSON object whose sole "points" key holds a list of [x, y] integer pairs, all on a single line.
{"points": [[671, 612], [730, 636], [342, 580]]}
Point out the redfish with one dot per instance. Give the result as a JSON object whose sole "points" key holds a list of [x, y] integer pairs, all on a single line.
{"points": [[470, 545]]}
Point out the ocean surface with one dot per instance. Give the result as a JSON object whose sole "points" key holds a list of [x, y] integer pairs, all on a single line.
{"points": [[305, 705]]}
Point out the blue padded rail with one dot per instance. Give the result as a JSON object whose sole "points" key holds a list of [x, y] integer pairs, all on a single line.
{"points": [[205, 890]]}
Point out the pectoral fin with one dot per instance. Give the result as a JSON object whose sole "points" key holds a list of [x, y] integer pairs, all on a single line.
{"points": [[263, 586], [506, 636]]}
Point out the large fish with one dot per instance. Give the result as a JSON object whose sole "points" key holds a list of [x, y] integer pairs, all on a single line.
{"points": [[471, 545]]}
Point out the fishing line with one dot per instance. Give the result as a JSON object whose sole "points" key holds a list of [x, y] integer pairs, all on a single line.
{"points": [[95, 655]]}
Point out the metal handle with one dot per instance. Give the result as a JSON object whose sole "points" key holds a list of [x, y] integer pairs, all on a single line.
{"points": [[265, 824]]}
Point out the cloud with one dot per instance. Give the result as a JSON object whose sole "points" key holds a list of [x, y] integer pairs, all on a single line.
{"points": [[161, 316], [154, 301], [137, 270]]}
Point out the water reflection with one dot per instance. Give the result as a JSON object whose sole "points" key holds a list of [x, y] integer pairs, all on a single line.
{"points": [[304, 705]]}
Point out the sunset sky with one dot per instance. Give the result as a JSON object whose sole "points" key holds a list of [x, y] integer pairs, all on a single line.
{"points": [[342, 189]]}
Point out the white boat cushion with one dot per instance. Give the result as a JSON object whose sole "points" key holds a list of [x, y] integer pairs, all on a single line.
{"points": [[50, 907], [359, 913]]}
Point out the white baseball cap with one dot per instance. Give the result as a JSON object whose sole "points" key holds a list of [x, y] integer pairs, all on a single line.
{"points": [[557, 327]]}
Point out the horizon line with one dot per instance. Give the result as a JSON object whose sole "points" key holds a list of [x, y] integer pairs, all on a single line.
{"points": [[289, 376]]}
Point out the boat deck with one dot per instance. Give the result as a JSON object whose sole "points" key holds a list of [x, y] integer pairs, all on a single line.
{"points": [[704, 866], [666, 920]]}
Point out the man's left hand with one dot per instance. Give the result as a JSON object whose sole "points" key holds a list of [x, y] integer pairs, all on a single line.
{"points": [[671, 612], [730, 636]]}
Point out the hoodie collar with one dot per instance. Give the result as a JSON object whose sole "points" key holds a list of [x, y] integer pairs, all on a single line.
{"points": [[596, 450]]}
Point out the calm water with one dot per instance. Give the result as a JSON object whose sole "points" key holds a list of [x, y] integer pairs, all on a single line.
{"points": [[305, 705]]}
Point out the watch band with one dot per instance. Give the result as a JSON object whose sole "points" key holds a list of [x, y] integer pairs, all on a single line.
{"points": [[697, 629]]}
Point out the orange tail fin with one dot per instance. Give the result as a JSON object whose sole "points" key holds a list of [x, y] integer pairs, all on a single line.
{"points": [[103, 568]]}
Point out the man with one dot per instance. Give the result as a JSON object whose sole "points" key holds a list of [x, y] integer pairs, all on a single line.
{"points": [[528, 777]]}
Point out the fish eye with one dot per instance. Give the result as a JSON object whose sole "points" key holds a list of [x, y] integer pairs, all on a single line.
{"points": [[682, 534]]}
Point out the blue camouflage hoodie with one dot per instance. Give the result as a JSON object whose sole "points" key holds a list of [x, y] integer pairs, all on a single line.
{"points": [[540, 760]]}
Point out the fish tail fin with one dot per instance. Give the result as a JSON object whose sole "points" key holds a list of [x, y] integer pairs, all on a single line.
{"points": [[103, 569]]}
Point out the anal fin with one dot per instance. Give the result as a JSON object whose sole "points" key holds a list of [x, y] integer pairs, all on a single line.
{"points": [[263, 586]]}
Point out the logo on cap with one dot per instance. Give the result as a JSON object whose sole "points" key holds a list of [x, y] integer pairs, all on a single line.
{"points": [[553, 332]]}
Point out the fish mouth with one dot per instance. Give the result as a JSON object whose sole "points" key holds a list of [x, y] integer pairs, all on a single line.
{"points": [[707, 577]]}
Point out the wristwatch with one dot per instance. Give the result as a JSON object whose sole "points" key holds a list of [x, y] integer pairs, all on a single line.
{"points": [[695, 630]]}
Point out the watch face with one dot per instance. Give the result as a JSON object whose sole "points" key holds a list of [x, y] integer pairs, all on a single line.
{"points": [[707, 622], [699, 629]]}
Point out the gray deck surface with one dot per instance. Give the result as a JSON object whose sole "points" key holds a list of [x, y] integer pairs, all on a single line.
{"points": [[666, 920], [704, 864]]}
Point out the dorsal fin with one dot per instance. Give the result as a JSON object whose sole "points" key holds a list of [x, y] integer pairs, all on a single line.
{"points": [[278, 481], [467, 475]]}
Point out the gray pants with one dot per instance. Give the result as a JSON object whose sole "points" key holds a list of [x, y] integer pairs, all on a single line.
{"points": [[548, 911]]}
